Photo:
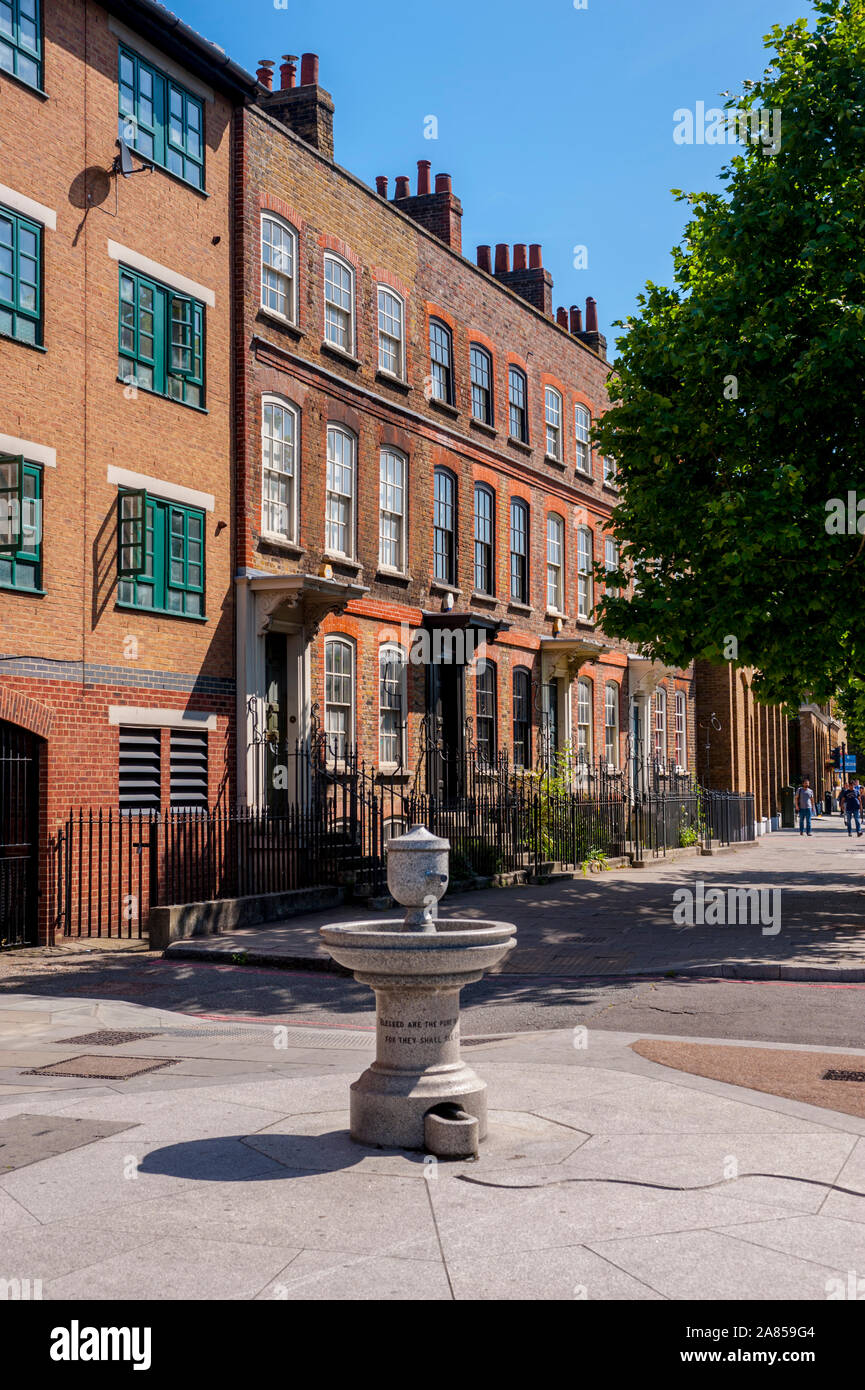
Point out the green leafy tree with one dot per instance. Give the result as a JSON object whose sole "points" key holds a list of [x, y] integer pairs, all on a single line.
{"points": [[739, 393]]}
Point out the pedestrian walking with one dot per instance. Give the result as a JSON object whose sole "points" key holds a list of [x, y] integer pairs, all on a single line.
{"points": [[805, 803], [851, 803]]}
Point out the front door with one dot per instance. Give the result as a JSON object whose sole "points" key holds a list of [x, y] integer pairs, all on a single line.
{"points": [[19, 831], [446, 720]]}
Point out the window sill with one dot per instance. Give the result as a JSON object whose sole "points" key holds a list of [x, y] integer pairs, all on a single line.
{"points": [[392, 772], [397, 382], [22, 82], [161, 613], [584, 473], [554, 615], [344, 562], [273, 317], [555, 462], [445, 407], [489, 600], [516, 607], [160, 396], [280, 543], [16, 588], [169, 173], [438, 586], [340, 354], [389, 576], [519, 444], [22, 342], [611, 487], [585, 622], [483, 427]]}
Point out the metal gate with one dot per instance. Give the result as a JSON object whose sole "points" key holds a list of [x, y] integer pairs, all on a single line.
{"points": [[19, 832]]}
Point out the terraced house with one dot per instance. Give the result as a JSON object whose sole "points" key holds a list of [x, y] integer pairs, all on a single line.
{"points": [[116, 565], [421, 512]]}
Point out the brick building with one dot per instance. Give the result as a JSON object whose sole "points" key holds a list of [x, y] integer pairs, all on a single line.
{"points": [[415, 468], [116, 563], [741, 744]]}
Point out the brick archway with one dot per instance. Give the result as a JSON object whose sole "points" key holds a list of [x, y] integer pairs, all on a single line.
{"points": [[28, 714]]}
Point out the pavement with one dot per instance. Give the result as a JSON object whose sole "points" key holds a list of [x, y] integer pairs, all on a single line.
{"points": [[227, 1172], [620, 924]]}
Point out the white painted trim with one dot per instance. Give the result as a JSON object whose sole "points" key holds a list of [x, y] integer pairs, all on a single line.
{"points": [[33, 453], [173, 492], [142, 717], [146, 50], [19, 202], [135, 261]]}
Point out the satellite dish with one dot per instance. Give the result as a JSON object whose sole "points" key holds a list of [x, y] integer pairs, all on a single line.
{"points": [[126, 166], [123, 162]]}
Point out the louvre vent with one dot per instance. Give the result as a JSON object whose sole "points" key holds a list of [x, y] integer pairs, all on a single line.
{"points": [[189, 768], [140, 781]]}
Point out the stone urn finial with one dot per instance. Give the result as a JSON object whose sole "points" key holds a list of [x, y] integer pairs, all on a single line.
{"points": [[417, 875]]}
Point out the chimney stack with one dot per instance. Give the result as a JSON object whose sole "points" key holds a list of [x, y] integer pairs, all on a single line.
{"points": [[590, 335], [485, 259], [306, 109], [591, 315], [576, 319], [381, 185], [439, 212], [528, 277], [562, 316]]}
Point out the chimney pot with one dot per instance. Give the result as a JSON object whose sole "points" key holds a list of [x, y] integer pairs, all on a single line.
{"points": [[536, 259], [264, 73], [287, 71], [591, 315], [576, 319], [520, 256], [562, 316], [423, 177], [403, 186], [381, 185], [485, 259], [444, 183], [309, 70], [503, 258]]}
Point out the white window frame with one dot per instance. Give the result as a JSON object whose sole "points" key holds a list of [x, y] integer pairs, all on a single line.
{"points": [[611, 726], [553, 422], [388, 651], [279, 403], [680, 707], [611, 559], [289, 277], [336, 497], [515, 374], [345, 737], [585, 576], [659, 724], [611, 470], [585, 707], [386, 336], [582, 437], [336, 307], [392, 490], [555, 566]]}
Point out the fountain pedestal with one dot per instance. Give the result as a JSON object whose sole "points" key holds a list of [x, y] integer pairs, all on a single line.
{"points": [[417, 972]]}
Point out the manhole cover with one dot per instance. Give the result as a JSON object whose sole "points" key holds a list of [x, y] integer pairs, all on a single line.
{"points": [[28, 1139], [102, 1068], [844, 1076], [107, 1038]]}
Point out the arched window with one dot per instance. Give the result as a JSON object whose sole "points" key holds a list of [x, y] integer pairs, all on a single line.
{"points": [[519, 550], [391, 706], [553, 418], [582, 431], [555, 563], [485, 705], [338, 696], [391, 332], [585, 582], [481, 369], [522, 703], [485, 509], [340, 499], [681, 729], [339, 304], [611, 724], [279, 457], [445, 526], [518, 412], [278, 267], [659, 725], [392, 500], [441, 362], [584, 720]]}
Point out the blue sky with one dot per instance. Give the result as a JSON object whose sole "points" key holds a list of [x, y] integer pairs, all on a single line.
{"points": [[555, 122]]}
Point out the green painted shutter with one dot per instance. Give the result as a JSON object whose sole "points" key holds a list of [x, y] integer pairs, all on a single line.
{"points": [[11, 503], [131, 557]]}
